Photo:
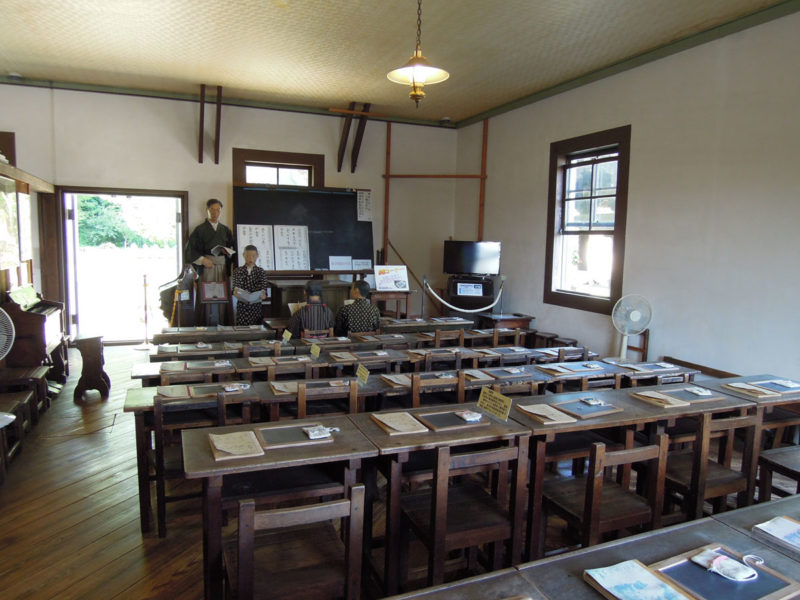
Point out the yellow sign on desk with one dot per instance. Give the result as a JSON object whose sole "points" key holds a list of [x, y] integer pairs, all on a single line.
{"points": [[494, 403], [287, 335], [315, 350], [362, 373]]}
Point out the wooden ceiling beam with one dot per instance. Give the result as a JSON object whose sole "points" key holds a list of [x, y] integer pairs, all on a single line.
{"points": [[362, 125], [202, 122], [219, 119], [345, 134]]}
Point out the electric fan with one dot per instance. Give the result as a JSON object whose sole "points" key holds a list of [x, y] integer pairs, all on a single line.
{"points": [[6, 341], [631, 316]]}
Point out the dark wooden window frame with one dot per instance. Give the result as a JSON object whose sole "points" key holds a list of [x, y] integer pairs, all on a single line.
{"points": [[243, 156], [620, 138]]}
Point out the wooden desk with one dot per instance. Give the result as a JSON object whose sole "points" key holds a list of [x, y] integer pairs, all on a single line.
{"points": [[506, 583], [512, 320], [193, 352], [653, 373], [213, 333], [562, 576], [635, 415], [744, 519], [349, 447], [399, 297], [415, 325], [139, 401], [395, 451], [574, 372]]}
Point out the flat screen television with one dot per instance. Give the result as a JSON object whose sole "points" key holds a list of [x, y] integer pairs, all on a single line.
{"points": [[471, 258]]}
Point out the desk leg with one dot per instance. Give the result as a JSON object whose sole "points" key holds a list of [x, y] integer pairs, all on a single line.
{"points": [[143, 471], [212, 537], [391, 558], [533, 545]]}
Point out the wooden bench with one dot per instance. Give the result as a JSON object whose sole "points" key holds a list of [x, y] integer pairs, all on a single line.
{"points": [[31, 378], [784, 461]]}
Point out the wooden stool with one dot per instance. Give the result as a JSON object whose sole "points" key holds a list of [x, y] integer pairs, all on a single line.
{"points": [[33, 378], [784, 461], [93, 377], [564, 341]]}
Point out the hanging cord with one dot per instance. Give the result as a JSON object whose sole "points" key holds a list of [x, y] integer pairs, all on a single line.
{"points": [[465, 310]]}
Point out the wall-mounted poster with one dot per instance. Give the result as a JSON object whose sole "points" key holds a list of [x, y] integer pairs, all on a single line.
{"points": [[9, 225]]}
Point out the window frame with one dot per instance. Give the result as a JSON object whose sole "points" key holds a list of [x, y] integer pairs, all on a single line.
{"points": [[243, 156], [619, 138]]}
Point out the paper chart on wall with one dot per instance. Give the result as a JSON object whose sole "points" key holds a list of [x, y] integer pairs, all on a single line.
{"points": [[364, 205], [291, 248], [259, 236]]}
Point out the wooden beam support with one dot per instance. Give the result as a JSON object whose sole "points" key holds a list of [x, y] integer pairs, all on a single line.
{"points": [[219, 118], [202, 122], [482, 197], [345, 134], [445, 176], [362, 125], [386, 181]]}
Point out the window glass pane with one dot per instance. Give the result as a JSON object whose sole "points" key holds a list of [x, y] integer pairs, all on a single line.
{"points": [[260, 174], [579, 181], [604, 212], [289, 176], [576, 214], [605, 178], [585, 265]]}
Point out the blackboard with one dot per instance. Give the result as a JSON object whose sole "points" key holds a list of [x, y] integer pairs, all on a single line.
{"points": [[330, 215]]}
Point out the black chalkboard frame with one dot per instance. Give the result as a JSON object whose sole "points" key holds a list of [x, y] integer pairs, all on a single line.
{"points": [[330, 214]]}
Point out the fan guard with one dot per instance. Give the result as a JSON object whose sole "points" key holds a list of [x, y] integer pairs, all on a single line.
{"points": [[6, 334], [631, 316]]}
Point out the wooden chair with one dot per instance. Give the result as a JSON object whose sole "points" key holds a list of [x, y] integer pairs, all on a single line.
{"points": [[306, 394], [784, 461], [300, 554], [316, 333], [32, 378], [593, 505], [350, 334], [417, 389], [543, 339], [448, 338], [564, 341], [464, 515], [170, 416], [437, 361], [696, 477], [512, 337], [292, 368], [577, 354]]}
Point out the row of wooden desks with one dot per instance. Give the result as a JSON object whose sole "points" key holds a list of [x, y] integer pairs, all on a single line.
{"points": [[212, 333], [392, 451], [562, 576]]}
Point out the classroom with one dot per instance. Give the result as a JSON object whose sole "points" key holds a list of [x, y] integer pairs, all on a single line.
{"points": [[710, 111]]}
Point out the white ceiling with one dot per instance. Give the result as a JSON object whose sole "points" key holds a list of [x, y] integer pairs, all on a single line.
{"points": [[318, 54]]}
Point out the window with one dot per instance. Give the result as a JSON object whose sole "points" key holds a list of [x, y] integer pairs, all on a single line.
{"points": [[266, 167], [586, 213]]}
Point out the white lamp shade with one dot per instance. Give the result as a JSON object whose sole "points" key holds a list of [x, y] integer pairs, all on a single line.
{"points": [[417, 70]]}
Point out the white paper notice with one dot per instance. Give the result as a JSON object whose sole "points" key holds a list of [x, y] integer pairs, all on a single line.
{"points": [[364, 203], [259, 236], [362, 264], [291, 248], [340, 263], [391, 278]]}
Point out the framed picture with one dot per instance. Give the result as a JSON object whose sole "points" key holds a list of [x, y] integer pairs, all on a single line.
{"points": [[9, 224]]}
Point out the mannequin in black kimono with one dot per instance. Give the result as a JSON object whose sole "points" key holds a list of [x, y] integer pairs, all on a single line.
{"points": [[206, 236]]}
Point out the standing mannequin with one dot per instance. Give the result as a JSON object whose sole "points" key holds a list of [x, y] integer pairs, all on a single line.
{"points": [[248, 279], [211, 266]]}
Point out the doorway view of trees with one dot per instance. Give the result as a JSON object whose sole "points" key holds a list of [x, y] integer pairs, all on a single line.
{"points": [[118, 240]]}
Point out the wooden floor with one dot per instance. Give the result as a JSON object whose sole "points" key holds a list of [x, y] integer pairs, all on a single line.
{"points": [[69, 515]]}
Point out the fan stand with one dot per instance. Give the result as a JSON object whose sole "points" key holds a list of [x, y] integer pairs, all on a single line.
{"points": [[623, 347], [145, 345]]}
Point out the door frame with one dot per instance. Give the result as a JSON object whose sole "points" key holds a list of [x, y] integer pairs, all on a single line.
{"points": [[57, 270]]}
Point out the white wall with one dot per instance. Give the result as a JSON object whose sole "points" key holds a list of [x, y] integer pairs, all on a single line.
{"points": [[103, 140], [713, 202]]}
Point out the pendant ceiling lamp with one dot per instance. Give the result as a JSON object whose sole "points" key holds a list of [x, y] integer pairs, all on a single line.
{"points": [[417, 72]]}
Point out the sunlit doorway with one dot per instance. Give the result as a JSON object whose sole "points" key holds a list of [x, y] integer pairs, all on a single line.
{"points": [[121, 247]]}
